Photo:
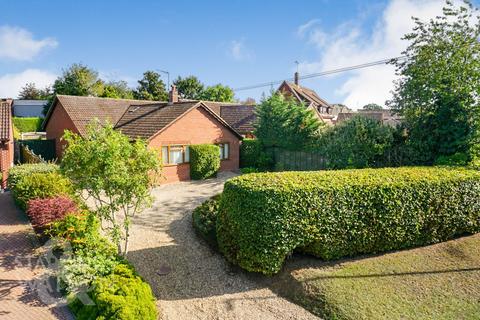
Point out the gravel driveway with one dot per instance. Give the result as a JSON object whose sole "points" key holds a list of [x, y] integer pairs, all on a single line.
{"points": [[190, 280]]}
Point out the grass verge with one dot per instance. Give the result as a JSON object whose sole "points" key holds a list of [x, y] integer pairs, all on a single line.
{"points": [[440, 281]]}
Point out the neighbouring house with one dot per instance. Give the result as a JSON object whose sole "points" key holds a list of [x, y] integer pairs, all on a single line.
{"points": [[6, 140], [28, 108], [386, 117], [322, 109], [169, 127]]}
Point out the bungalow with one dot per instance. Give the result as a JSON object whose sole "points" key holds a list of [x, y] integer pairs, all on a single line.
{"points": [[6, 140], [169, 127], [321, 108]]}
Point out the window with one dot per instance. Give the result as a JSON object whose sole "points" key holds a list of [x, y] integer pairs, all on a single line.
{"points": [[175, 154], [224, 151]]}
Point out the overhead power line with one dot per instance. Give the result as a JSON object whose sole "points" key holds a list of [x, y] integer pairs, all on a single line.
{"points": [[323, 73]]}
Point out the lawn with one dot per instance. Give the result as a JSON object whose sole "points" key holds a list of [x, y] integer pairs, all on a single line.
{"points": [[440, 281]]}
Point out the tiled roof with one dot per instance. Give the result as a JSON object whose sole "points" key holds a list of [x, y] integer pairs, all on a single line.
{"points": [[240, 117], [82, 110], [143, 121], [308, 95], [5, 120]]}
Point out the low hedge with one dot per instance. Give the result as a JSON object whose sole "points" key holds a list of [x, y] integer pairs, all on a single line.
{"points": [[16, 173], [122, 295], [263, 217], [44, 212], [28, 124], [205, 220], [204, 161], [41, 186]]}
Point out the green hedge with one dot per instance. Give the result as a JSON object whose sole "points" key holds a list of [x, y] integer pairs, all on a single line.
{"points": [[263, 217], [253, 155], [28, 124], [16, 173], [205, 219], [204, 161], [122, 295]]}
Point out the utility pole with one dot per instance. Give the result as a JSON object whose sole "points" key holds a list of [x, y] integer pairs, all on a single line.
{"points": [[168, 77]]}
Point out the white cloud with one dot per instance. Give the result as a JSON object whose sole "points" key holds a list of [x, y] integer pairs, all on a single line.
{"points": [[19, 44], [239, 51], [350, 44], [10, 84]]}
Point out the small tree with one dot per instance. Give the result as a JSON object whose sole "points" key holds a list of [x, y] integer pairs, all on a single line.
{"points": [[285, 123], [189, 87], [30, 92], [151, 87], [117, 90], [116, 173], [218, 93], [78, 80], [372, 107]]}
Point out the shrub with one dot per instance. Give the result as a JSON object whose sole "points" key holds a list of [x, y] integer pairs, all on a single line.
{"points": [[43, 212], [205, 220], [204, 161], [249, 170], [121, 295], [79, 271], [263, 217], [17, 173], [32, 124], [253, 155], [457, 159], [41, 185]]}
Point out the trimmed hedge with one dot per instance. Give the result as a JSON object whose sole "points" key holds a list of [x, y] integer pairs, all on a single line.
{"points": [[41, 186], [263, 217], [205, 220], [32, 124], [16, 173], [122, 295], [204, 161]]}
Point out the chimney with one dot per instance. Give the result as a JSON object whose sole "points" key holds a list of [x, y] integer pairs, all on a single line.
{"points": [[173, 95], [296, 78]]}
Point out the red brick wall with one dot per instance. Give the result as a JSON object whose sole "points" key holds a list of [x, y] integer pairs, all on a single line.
{"points": [[196, 127], [58, 123]]}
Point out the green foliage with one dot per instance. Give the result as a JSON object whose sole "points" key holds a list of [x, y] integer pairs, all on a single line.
{"points": [[218, 92], [285, 123], [116, 173], [263, 217], [30, 92], [457, 159], [17, 173], [189, 87], [253, 155], [359, 142], [40, 186], [438, 89], [151, 87], [204, 161], [205, 220], [32, 124], [117, 90], [372, 107], [78, 80], [249, 170], [121, 295]]}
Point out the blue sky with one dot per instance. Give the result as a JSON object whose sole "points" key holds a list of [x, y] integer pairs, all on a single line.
{"points": [[237, 43]]}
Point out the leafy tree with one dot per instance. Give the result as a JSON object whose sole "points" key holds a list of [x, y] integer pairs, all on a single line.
{"points": [[438, 90], [372, 107], [359, 142], [151, 87], [284, 123], [117, 90], [116, 173], [218, 92], [189, 87], [78, 80], [30, 92]]}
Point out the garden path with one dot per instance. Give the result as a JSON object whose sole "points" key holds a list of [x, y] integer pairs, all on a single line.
{"points": [[19, 297], [190, 280]]}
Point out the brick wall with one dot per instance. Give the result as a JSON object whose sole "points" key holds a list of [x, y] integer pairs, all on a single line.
{"points": [[196, 127], [58, 123]]}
